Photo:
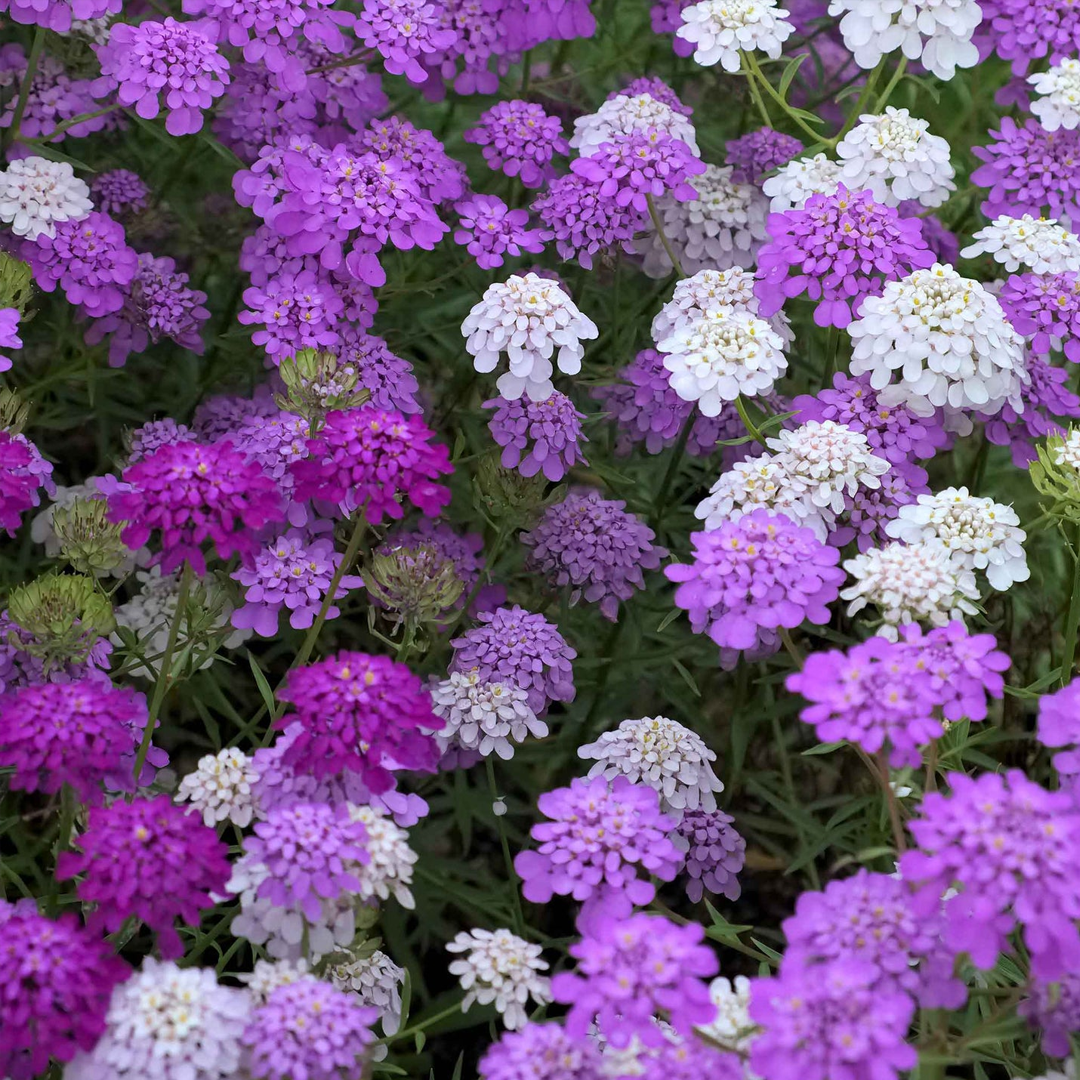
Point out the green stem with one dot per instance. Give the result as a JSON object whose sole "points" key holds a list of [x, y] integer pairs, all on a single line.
{"points": [[894, 806], [74, 122], [792, 649], [526, 71], [891, 85], [659, 227], [832, 347], [423, 1025], [750, 63], [862, 103], [515, 881], [24, 88], [1072, 619], [755, 93], [751, 427], [165, 671], [677, 456]]}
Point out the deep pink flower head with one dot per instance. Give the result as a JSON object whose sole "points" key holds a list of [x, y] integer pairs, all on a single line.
{"points": [[1029, 170], [89, 259], [520, 139], [369, 457], [1059, 726], [58, 14], [490, 231], [312, 851], [541, 1052], [752, 576], [893, 431], [600, 835], [1046, 308], [9, 334], [169, 60], [758, 152], [404, 32], [148, 859], [366, 714], [440, 178], [538, 436], [297, 311], [631, 969], [118, 192], [83, 733], [1027, 30], [18, 485], [596, 547], [56, 981], [1012, 849], [515, 646], [641, 164], [192, 493], [838, 249], [1054, 1007], [715, 853], [827, 1021]]}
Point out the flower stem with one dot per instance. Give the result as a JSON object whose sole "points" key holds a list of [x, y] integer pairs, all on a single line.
{"points": [[24, 88], [894, 806], [751, 427], [515, 881], [755, 73], [891, 85], [659, 227], [75, 121], [755, 93], [1072, 619], [673, 468], [165, 670], [792, 649], [863, 102], [423, 1025]]}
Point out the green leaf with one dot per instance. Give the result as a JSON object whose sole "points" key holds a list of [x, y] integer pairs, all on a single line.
{"points": [[823, 748], [790, 72], [421, 1041], [668, 619], [260, 680], [686, 677]]}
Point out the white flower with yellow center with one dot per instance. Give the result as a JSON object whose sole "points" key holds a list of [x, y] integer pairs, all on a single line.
{"points": [[1027, 243], [623, 115], [796, 181], [720, 29], [500, 968], [1058, 105]]}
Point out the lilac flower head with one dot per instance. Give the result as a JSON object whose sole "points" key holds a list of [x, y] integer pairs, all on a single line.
{"points": [[293, 573], [837, 249], [758, 152], [359, 713], [520, 648], [715, 853], [1054, 1007], [57, 980], [221, 414], [490, 230], [600, 834], [298, 311], [191, 493], [753, 576], [309, 1028], [119, 192], [1046, 309], [1029, 171], [464, 550], [387, 377], [1027, 30], [520, 139], [149, 859], [369, 457], [155, 434], [829, 1020], [177, 59], [892, 431], [657, 89], [404, 32], [593, 545], [939, 239], [1059, 726], [58, 14], [441, 178], [869, 512], [53, 99], [89, 259], [1011, 847], [538, 436], [9, 336], [540, 1052], [631, 969], [1046, 398]]}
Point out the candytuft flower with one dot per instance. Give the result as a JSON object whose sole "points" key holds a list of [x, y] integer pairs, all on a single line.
{"points": [[715, 854], [720, 29], [520, 139], [220, 788], [1032, 243], [483, 717], [36, 195], [1058, 105], [500, 968]]}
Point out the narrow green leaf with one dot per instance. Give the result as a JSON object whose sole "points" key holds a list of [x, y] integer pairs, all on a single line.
{"points": [[260, 679], [789, 73]]}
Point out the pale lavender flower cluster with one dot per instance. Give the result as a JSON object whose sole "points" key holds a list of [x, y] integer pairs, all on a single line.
{"points": [[491, 232], [519, 139], [538, 436]]}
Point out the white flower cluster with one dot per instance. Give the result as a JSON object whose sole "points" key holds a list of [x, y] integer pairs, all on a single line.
{"points": [[979, 533], [796, 181], [390, 868], [725, 353], [1068, 453], [944, 340], [733, 1029], [220, 788], [37, 194], [1059, 105], [378, 981], [94, 30], [720, 29], [936, 31], [670, 758], [527, 317], [483, 717], [910, 583], [1032, 243], [624, 114], [723, 227], [268, 975], [502, 968], [168, 1023], [896, 158]]}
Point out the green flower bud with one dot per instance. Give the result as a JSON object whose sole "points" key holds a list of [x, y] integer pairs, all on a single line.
{"points": [[13, 412], [509, 500], [317, 383], [1056, 475], [15, 283], [88, 540], [418, 584]]}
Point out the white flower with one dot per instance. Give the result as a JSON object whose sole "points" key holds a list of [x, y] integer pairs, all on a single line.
{"points": [[727, 352], [268, 975], [1034, 243], [1068, 453], [502, 968], [390, 868], [528, 318], [220, 788], [720, 29], [95, 30], [732, 1027], [378, 981], [168, 1023], [708, 289], [662, 753], [980, 533], [1060, 105], [910, 583], [824, 461], [897, 159], [625, 114], [796, 181], [35, 194], [762, 482], [936, 31], [483, 717], [945, 341]]}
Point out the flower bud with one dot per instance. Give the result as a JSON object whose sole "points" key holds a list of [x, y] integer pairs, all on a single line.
{"points": [[508, 499], [15, 283], [1056, 475], [317, 383], [88, 540], [13, 412], [417, 583]]}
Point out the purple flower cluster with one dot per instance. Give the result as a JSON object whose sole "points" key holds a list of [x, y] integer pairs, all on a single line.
{"points": [[387, 377], [519, 139], [715, 853], [538, 436], [758, 152], [54, 98], [119, 192], [596, 547], [1046, 309], [540, 1052], [1053, 1006], [9, 335], [149, 859], [441, 178], [297, 311], [868, 512], [838, 249], [489, 230], [1026, 30], [18, 483], [406, 33], [1059, 726], [58, 14]]}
